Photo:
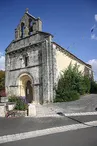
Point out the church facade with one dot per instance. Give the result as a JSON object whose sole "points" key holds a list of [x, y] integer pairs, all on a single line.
{"points": [[34, 62]]}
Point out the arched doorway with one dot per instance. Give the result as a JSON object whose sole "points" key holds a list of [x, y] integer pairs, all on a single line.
{"points": [[26, 87], [29, 92]]}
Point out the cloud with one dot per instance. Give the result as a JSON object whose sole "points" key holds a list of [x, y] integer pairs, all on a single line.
{"points": [[93, 37], [95, 17], [93, 62], [2, 61]]}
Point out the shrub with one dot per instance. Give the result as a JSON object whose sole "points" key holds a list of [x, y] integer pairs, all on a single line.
{"points": [[87, 84], [72, 84], [21, 105], [93, 87], [67, 96], [12, 98], [20, 102], [2, 80]]}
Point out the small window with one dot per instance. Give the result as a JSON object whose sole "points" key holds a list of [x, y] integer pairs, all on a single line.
{"points": [[26, 60]]}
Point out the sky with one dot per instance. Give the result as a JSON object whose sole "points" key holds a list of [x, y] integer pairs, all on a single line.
{"points": [[72, 22]]}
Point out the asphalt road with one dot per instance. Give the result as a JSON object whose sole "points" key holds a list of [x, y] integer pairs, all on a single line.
{"points": [[82, 137], [22, 124], [19, 125]]}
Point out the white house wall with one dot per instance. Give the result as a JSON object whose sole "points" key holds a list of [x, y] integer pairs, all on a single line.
{"points": [[63, 60]]}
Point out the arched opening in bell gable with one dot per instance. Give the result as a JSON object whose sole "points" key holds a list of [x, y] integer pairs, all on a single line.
{"points": [[30, 26], [22, 29]]}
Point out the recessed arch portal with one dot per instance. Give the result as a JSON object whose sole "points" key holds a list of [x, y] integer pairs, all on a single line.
{"points": [[26, 87]]}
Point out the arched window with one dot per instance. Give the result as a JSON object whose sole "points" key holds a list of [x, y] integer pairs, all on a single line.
{"points": [[22, 29], [26, 60], [30, 26]]}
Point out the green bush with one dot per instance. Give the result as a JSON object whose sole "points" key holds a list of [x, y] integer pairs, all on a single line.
{"points": [[20, 103], [13, 98], [71, 84], [2, 80], [93, 87], [67, 96]]}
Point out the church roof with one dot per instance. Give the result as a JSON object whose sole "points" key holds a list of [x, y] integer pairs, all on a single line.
{"points": [[45, 33]]}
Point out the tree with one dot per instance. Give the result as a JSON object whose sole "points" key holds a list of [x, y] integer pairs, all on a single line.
{"points": [[93, 87], [2, 82], [72, 84]]}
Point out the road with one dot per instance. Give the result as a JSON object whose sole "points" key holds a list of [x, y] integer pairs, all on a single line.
{"points": [[82, 137], [22, 124], [80, 130]]}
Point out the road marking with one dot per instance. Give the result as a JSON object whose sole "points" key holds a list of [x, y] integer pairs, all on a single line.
{"points": [[81, 114], [32, 134]]}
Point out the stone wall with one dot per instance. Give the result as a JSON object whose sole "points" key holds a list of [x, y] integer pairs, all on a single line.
{"points": [[38, 48], [25, 42], [2, 110], [30, 24], [17, 67], [47, 70]]}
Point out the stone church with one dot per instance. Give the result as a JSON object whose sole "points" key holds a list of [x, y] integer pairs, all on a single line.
{"points": [[34, 62]]}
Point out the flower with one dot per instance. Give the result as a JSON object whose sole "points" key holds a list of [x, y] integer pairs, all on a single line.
{"points": [[23, 98]]}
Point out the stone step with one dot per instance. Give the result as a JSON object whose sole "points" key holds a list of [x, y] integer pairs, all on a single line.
{"points": [[43, 110]]}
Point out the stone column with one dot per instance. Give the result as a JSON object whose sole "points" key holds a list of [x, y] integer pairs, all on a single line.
{"points": [[36, 94], [51, 71], [45, 72]]}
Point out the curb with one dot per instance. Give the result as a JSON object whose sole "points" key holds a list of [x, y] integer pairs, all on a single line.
{"points": [[65, 114]]}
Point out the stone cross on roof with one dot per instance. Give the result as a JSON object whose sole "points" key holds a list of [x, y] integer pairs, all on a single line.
{"points": [[27, 10]]}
